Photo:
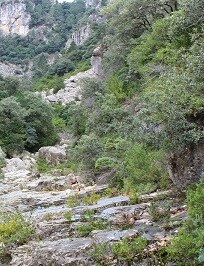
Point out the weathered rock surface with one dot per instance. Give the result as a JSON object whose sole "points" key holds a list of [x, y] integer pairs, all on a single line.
{"points": [[53, 154], [56, 253], [42, 199], [17, 167], [96, 60], [82, 34], [72, 90], [188, 167], [93, 3], [8, 69], [14, 18]]}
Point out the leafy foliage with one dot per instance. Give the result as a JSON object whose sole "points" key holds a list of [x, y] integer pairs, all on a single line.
{"points": [[14, 230], [25, 122], [187, 247]]}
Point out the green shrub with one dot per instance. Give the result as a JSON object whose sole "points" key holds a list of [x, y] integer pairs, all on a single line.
{"points": [[59, 123], [49, 82], [12, 125], [73, 200], [101, 254], [75, 117], [91, 198], [79, 67], [39, 130], [123, 250], [116, 86], [159, 213], [83, 230], [107, 116], [187, 247], [42, 165], [105, 163], [144, 166], [14, 230], [127, 249], [87, 151], [87, 215], [68, 215]]}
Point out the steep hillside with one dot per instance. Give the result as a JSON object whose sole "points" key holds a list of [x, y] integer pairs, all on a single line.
{"points": [[31, 28]]}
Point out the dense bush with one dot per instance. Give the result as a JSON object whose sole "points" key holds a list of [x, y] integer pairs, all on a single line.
{"points": [[25, 122], [39, 127], [142, 166], [87, 151], [14, 230], [187, 247], [49, 82], [8, 86], [75, 117]]}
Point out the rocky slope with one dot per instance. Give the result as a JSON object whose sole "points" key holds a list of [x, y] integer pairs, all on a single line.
{"points": [[72, 90], [49, 203]]}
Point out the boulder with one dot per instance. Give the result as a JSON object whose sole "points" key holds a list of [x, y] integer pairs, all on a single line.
{"points": [[15, 165], [53, 154]]}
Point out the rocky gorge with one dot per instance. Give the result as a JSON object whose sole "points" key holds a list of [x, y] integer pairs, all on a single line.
{"points": [[71, 217], [101, 133], [68, 228]]}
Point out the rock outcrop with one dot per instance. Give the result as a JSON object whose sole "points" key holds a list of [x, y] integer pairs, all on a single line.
{"points": [[82, 34], [72, 90], [187, 167], [8, 69], [14, 18], [42, 198], [96, 60], [60, 242], [53, 154]]}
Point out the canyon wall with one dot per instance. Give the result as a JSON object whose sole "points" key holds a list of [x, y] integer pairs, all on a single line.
{"points": [[13, 17]]}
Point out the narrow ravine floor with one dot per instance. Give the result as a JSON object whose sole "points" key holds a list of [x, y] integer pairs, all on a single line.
{"points": [[69, 223]]}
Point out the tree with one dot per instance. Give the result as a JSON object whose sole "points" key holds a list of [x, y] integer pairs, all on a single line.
{"points": [[12, 124], [39, 128]]}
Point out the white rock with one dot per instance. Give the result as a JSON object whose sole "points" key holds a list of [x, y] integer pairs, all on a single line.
{"points": [[53, 154]]}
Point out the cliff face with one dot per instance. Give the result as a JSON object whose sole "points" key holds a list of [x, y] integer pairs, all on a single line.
{"points": [[14, 18], [81, 35]]}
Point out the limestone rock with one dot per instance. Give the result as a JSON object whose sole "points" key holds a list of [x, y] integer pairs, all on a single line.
{"points": [[14, 18], [16, 166], [81, 35], [72, 90], [96, 60], [7, 69], [113, 235], [53, 154], [57, 253], [93, 3]]}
